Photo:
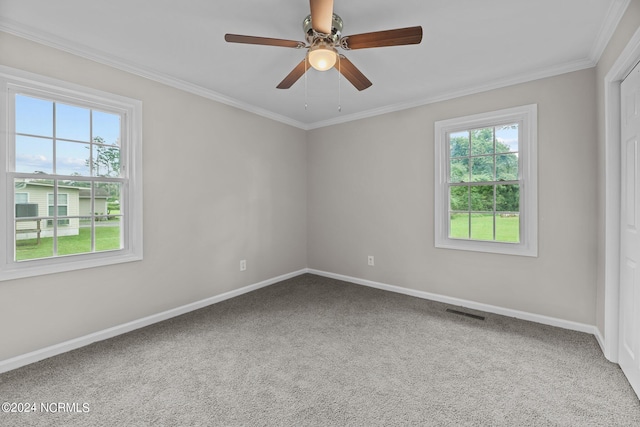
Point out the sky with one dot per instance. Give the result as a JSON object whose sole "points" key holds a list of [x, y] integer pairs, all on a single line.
{"points": [[75, 127]]}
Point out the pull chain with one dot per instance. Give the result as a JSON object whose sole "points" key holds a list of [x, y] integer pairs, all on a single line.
{"points": [[305, 81], [339, 88]]}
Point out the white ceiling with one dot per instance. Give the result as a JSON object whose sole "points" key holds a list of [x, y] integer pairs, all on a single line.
{"points": [[468, 46]]}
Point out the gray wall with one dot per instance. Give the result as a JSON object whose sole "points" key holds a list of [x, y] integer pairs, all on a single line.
{"points": [[371, 193], [245, 174], [628, 26]]}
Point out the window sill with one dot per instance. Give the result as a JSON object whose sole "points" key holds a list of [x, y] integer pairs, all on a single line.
{"points": [[517, 249], [62, 264]]}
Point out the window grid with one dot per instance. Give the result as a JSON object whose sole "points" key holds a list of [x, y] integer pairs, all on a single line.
{"points": [[480, 155], [90, 180]]}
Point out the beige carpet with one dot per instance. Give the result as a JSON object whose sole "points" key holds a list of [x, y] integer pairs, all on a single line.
{"points": [[315, 351]]}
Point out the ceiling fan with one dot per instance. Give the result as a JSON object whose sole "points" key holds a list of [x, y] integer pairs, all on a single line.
{"points": [[323, 33]]}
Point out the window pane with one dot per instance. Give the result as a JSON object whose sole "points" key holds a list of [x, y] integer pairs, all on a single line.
{"points": [[107, 216], [482, 141], [21, 198], [459, 144], [34, 155], [72, 122], [459, 198], [63, 198], [507, 138], [74, 239], [508, 228], [63, 208], [31, 199], [84, 207], [460, 170], [482, 169], [508, 198], [72, 158], [106, 160], [482, 226], [33, 187], [459, 226], [106, 128], [507, 167], [107, 198], [62, 211], [482, 198], [34, 116], [108, 236], [31, 241], [74, 232]]}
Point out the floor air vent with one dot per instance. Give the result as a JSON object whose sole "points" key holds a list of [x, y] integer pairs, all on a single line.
{"points": [[462, 313]]}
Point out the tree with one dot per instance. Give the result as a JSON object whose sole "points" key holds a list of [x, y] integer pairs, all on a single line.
{"points": [[106, 163], [106, 160]]}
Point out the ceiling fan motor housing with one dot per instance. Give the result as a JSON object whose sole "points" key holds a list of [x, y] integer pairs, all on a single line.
{"points": [[312, 36]]}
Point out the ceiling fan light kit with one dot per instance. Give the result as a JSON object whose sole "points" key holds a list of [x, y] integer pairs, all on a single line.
{"points": [[323, 33], [322, 57]]}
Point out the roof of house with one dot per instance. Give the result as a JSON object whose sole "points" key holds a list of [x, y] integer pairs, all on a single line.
{"points": [[100, 193]]}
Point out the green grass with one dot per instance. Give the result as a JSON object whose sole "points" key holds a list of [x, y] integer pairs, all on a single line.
{"points": [[107, 238], [507, 228]]}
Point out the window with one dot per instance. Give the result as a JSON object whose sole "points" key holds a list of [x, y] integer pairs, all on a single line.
{"points": [[485, 182], [21, 198], [71, 188], [63, 208]]}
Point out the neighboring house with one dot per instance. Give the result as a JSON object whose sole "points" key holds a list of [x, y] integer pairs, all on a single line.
{"points": [[100, 202], [35, 199]]}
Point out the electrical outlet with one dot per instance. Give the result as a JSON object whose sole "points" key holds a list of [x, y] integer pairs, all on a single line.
{"points": [[370, 260], [243, 264]]}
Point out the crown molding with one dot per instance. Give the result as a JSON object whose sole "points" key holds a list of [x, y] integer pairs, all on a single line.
{"points": [[614, 15], [80, 50], [470, 90]]}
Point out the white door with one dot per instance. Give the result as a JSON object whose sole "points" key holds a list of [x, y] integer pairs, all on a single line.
{"points": [[629, 340]]}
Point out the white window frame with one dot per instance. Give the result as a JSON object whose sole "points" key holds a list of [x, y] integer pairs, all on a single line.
{"points": [[14, 81], [527, 118]]}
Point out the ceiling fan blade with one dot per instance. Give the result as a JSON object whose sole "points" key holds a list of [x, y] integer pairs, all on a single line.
{"points": [[294, 75], [321, 15], [237, 38], [351, 73], [397, 37]]}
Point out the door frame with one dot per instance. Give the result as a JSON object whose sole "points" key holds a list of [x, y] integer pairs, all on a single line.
{"points": [[620, 69]]}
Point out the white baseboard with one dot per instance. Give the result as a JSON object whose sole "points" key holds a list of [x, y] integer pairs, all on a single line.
{"points": [[537, 318], [37, 355], [601, 342]]}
